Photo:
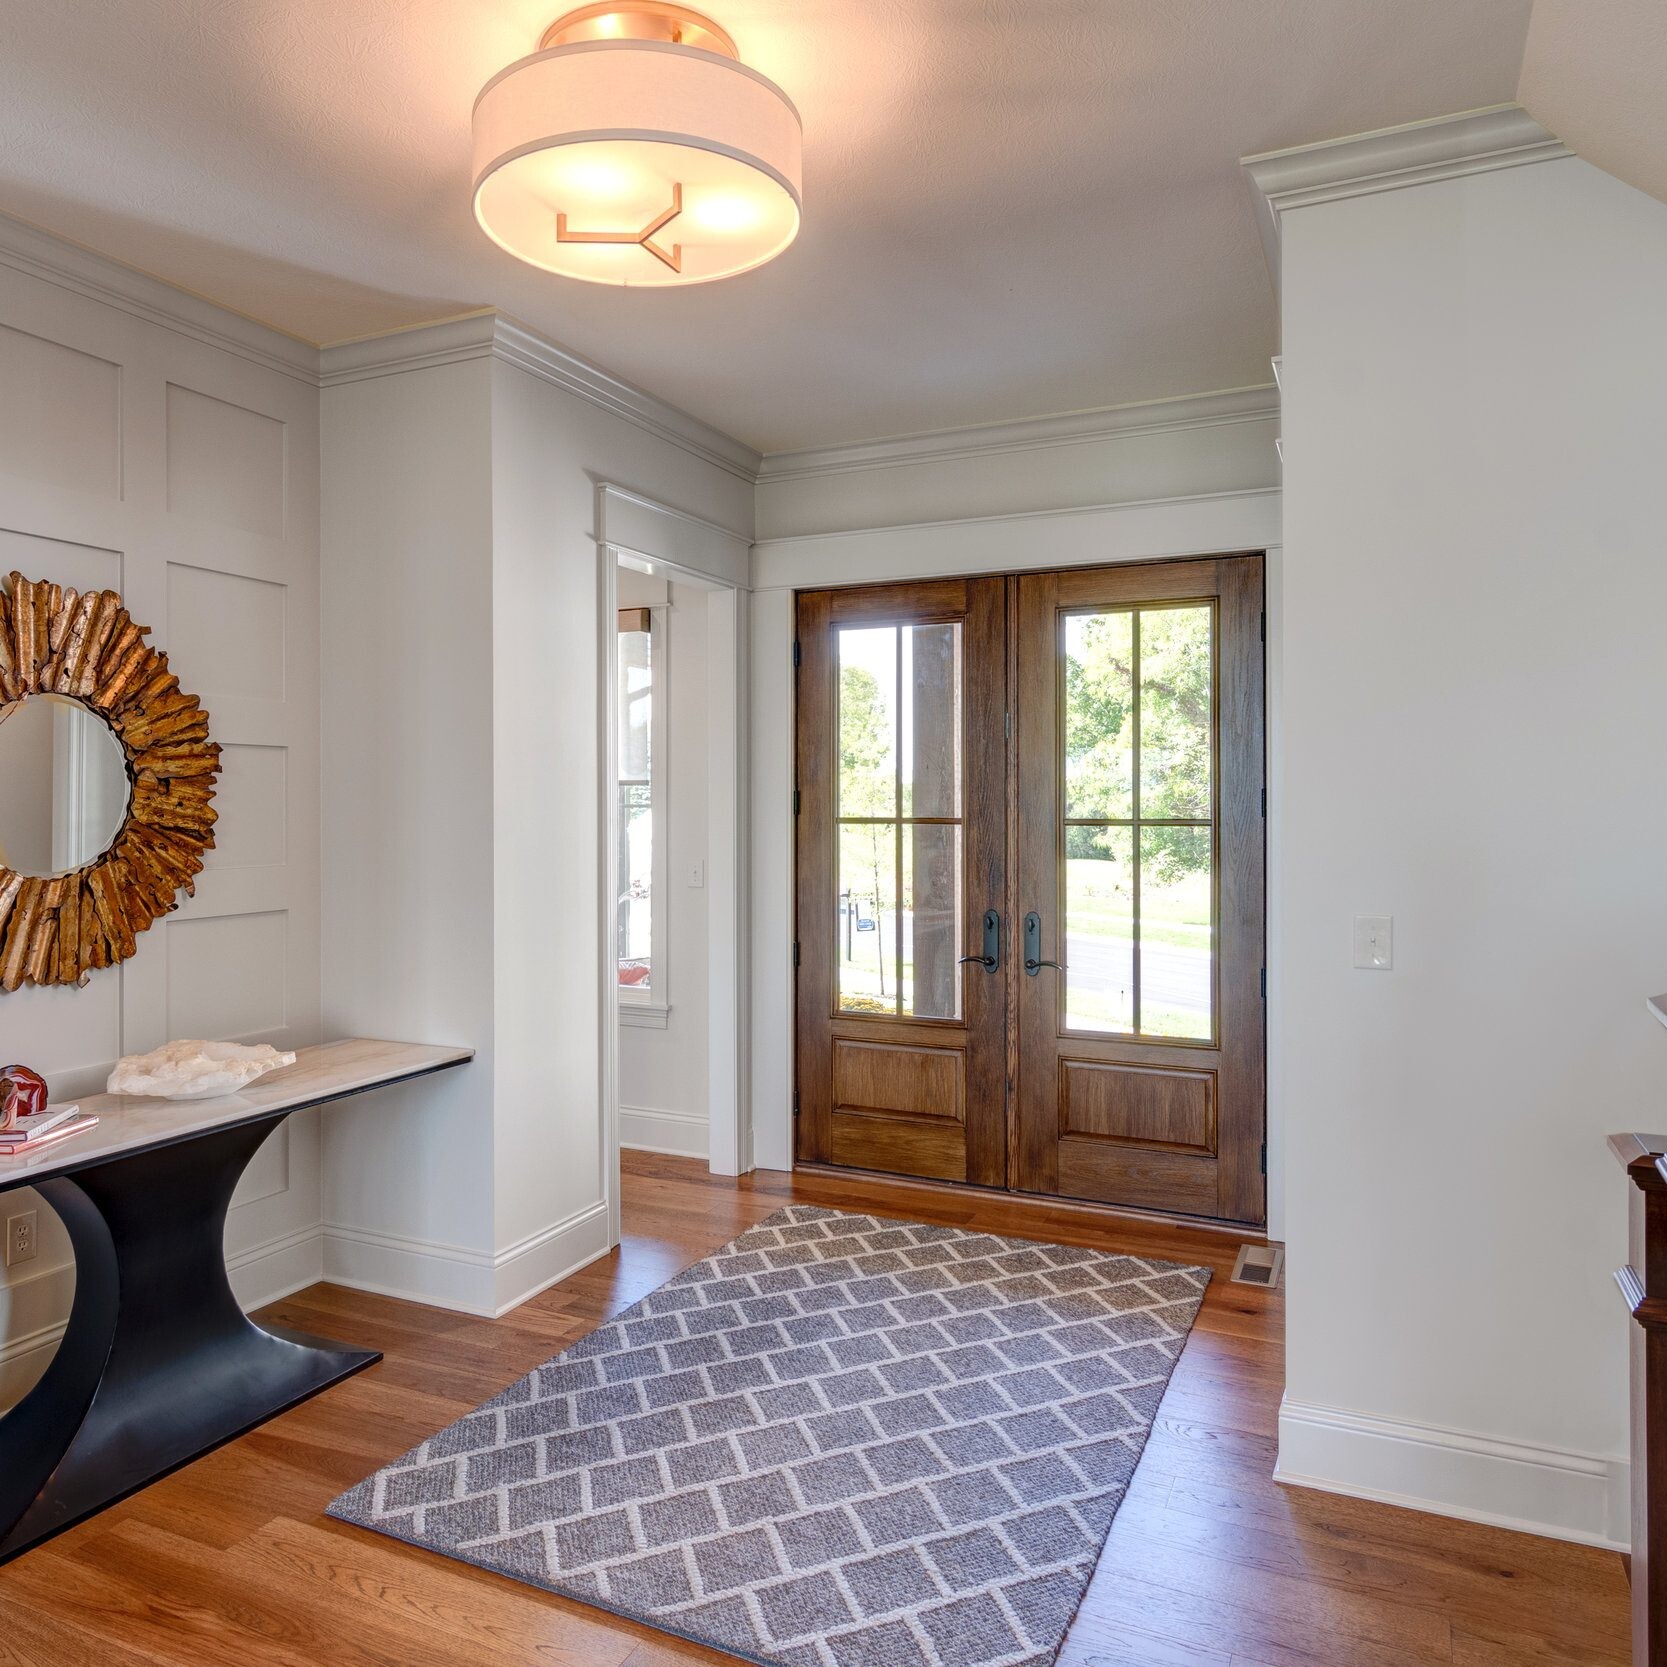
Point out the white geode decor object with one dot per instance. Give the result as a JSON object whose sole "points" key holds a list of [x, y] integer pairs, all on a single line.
{"points": [[195, 1070]]}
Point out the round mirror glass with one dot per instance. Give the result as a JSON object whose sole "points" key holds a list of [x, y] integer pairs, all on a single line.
{"points": [[63, 785]]}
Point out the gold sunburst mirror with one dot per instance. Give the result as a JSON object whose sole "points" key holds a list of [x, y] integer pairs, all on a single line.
{"points": [[106, 783]]}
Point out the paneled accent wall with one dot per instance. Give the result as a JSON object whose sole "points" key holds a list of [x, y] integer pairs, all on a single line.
{"points": [[182, 471]]}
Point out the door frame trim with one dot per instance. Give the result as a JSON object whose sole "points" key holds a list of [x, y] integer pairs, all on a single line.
{"points": [[684, 547], [1116, 535]]}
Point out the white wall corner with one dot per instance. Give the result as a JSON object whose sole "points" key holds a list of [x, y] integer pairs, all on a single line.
{"points": [[521, 1271], [455, 1277], [1417, 153], [491, 334], [277, 1267], [1456, 1473]]}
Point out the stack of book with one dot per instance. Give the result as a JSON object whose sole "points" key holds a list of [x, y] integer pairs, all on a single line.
{"points": [[29, 1134]]}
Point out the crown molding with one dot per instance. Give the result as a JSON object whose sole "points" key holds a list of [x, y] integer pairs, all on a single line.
{"points": [[496, 335], [1392, 158], [42, 254], [1071, 428], [55, 260]]}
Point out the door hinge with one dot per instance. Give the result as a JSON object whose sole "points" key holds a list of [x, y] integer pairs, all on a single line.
{"points": [[796, 802], [1264, 801], [795, 952], [796, 1113], [1264, 1143], [1264, 627], [1264, 974], [795, 651]]}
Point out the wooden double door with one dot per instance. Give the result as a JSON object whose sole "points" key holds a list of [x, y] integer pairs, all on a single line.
{"points": [[1030, 883]]}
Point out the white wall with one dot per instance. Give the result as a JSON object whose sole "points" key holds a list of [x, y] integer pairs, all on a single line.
{"points": [[460, 535], [1474, 597], [1132, 483], [662, 1072], [408, 814], [154, 445]]}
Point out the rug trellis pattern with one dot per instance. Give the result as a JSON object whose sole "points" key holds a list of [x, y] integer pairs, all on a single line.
{"points": [[840, 1441]]}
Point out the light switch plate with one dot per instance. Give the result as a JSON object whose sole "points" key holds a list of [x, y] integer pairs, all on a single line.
{"points": [[1374, 942], [697, 875]]}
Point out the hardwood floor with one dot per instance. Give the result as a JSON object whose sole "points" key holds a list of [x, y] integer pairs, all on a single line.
{"points": [[1209, 1564]]}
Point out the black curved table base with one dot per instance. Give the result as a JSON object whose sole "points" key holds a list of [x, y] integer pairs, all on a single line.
{"points": [[158, 1365]]}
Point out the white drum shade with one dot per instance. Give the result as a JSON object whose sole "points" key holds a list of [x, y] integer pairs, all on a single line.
{"points": [[636, 162]]}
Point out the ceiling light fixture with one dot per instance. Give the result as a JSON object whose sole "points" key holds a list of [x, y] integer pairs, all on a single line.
{"points": [[635, 148]]}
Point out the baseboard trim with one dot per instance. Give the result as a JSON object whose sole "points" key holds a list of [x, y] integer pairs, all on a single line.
{"points": [[457, 1277], [23, 1359], [279, 1267], [1558, 1494], [545, 1259], [677, 1134]]}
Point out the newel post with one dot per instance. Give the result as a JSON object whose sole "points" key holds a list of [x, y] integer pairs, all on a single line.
{"points": [[1643, 1283]]}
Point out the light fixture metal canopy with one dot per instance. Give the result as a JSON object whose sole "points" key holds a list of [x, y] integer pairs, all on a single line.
{"points": [[624, 109], [647, 20]]}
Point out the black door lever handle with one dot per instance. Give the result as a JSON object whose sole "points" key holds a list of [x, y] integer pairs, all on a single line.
{"points": [[1033, 947], [991, 958]]}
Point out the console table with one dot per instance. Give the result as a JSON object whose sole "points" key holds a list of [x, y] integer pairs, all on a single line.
{"points": [[159, 1364]]}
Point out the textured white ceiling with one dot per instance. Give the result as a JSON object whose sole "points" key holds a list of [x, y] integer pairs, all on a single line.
{"points": [[1595, 73], [1012, 207]]}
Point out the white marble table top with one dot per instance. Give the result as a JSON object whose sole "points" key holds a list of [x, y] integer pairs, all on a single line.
{"points": [[131, 1122]]}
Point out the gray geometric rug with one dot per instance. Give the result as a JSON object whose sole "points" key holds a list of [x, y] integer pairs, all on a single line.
{"points": [[838, 1442]]}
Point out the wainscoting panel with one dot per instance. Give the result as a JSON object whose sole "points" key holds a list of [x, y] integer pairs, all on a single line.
{"points": [[147, 459], [60, 422], [225, 463], [81, 566]]}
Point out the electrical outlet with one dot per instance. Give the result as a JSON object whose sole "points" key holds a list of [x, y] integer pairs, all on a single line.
{"points": [[20, 1238], [697, 874]]}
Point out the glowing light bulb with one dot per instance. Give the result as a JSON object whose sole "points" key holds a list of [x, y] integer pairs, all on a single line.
{"points": [[728, 213], [596, 176]]}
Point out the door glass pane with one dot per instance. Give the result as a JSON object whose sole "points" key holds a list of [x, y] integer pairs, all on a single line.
{"points": [[1138, 692], [865, 926], [1099, 715], [1099, 929], [1177, 935], [1176, 693], [930, 676], [931, 923], [898, 934], [868, 720]]}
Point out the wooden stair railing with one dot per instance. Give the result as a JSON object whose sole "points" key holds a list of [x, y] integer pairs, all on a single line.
{"points": [[1643, 1282]]}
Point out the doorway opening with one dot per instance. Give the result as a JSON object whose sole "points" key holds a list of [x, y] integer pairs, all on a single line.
{"points": [[1030, 884]]}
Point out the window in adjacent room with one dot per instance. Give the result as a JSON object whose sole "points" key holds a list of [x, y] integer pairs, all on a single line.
{"points": [[640, 930]]}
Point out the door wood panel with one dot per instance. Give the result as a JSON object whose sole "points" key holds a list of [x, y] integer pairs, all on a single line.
{"points": [[1136, 1104], [893, 1090], [886, 1080]]}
